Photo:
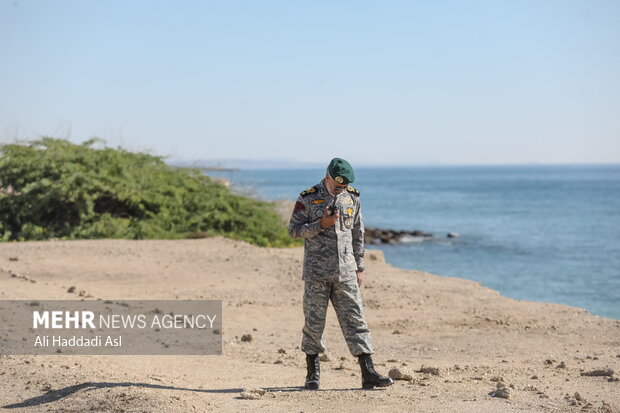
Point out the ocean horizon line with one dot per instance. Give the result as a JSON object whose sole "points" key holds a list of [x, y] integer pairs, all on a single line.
{"points": [[275, 164]]}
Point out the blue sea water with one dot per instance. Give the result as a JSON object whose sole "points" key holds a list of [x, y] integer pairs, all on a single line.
{"points": [[542, 233]]}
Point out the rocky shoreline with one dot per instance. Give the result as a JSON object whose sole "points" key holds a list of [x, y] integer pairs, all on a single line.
{"points": [[372, 236]]}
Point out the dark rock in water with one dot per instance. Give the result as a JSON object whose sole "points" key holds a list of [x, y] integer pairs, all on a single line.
{"points": [[452, 235], [378, 236]]}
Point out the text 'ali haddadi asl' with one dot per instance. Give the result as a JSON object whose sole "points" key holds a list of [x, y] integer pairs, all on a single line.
{"points": [[78, 341]]}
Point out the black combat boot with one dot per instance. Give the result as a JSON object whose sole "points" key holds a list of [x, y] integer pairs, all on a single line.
{"points": [[314, 370], [370, 378]]}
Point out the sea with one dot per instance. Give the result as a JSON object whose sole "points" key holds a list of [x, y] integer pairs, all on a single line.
{"points": [[547, 233]]}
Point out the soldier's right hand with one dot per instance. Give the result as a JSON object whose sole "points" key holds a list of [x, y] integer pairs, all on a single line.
{"points": [[329, 220]]}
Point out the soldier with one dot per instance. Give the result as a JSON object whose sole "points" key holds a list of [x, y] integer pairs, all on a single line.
{"points": [[328, 217]]}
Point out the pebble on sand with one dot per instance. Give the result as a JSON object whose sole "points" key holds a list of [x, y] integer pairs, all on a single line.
{"points": [[252, 394], [502, 392], [429, 370], [599, 372], [246, 338], [396, 374]]}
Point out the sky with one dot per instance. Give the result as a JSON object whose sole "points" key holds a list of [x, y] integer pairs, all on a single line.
{"points": [[374, 82]]}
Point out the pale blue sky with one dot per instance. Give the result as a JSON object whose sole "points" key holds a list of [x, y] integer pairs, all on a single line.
{"points": [[384, 82]]}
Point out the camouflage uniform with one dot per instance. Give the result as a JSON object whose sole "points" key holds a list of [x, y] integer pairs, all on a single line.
{"points": [[331, 258]]}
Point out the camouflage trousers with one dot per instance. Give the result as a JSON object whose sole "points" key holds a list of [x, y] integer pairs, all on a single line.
{"points": [[347, 302]]}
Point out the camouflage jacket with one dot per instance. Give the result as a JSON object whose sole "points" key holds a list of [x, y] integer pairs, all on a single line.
{"points": [[333, 253]]}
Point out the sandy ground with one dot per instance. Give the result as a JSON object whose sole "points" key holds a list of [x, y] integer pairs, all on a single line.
{"points": [[472, 337]]}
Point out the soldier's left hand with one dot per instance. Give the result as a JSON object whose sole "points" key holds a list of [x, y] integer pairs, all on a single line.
{"points": [[360, 277]]}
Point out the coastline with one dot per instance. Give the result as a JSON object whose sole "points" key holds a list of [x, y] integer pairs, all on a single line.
{"points": [[471, 336], [284, 209]]}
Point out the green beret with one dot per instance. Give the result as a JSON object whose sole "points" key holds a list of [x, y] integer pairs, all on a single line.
{"points": [[341, 171]]}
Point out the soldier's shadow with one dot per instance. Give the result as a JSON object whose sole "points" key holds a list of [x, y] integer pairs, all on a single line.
{"points": [[55, 395]]}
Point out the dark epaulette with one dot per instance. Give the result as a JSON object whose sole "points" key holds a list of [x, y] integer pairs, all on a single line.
{"points": [[308, 191], [353, 190]]}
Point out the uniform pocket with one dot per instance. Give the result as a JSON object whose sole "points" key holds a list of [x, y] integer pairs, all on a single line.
{"points": [[348, 258]]}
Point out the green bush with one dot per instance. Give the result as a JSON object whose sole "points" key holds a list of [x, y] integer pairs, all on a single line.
{"points": [[52, 188]]}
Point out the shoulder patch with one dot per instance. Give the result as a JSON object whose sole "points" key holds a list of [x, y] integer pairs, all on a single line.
{"points": [[353, 190], [308, 191]]}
